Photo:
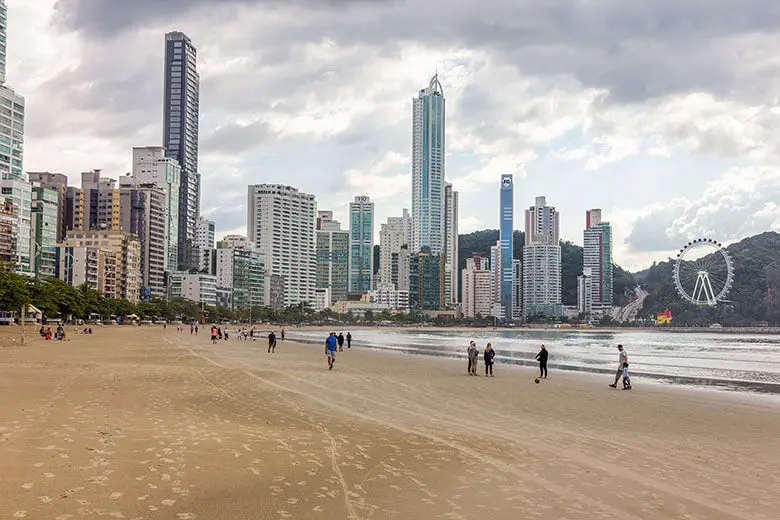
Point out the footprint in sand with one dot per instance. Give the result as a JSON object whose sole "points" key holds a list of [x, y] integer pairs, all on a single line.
{"points": [[116, 495], [168, 502], [185, 516], [44, 499], [27, 485], [20, 514], [38, 464]]}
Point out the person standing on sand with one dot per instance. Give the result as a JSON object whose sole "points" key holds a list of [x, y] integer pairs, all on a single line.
{"points": [[196, 330], [213, 335], [468, 357], [349, 340], [542, 357], [282, 333], [330, 349], [622, 363], [272, 343], [340, 339], [489, 355], [473, 356]]}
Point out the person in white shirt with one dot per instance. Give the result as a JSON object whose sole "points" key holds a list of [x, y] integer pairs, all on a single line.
{"points": [[622, 362]]}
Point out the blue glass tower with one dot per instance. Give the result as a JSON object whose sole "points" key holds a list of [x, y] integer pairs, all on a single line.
{"points": [[507, 243]]}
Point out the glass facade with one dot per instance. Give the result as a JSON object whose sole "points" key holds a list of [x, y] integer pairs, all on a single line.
{"points": [[3, 38], [333, 263], [507, 244], [361, 245], [44, 220], [426, 281], [428, 149], [18, 193], [180, 135]]}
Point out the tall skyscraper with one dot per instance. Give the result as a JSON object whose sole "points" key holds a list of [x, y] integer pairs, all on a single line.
{"points": [[361, 244], [17, 193], [332, 259], [281, 222], [180, 134], [597, 258], [542, 261], [496, 310], [517, 290], [205, 242], [507, 230], [151, 165], [428, 149], [450, 245]]}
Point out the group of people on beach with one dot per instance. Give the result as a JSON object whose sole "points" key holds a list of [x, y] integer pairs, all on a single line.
{"points": [[58, 335], [333, 344]]}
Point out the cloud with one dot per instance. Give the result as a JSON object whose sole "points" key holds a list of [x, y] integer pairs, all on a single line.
{"points": [[741, 202]]}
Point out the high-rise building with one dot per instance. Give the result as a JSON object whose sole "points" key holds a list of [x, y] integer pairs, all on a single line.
{"points": [[240, 272], [8, 224], [143, 213], [451, 245], [3, 39], [496, 310], [426, 281], [597, 257], [393, 235], [74, 209], [44, 224], [100, 202], [332, 259], [428, 150], [361, 244], [17, 192], [386, 295], [180, 134], [59, 183], [281, 222], [11, 115], [152, 165], [517, 290], [477, 288], [124, 246], [206, 235], [542, 261], [507, 230]]}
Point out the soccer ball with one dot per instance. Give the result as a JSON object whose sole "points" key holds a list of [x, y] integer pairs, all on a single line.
{"points": [[537, 380]]}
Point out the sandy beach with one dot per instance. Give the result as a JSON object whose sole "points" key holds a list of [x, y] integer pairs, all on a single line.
{"points": [[145, 423]]}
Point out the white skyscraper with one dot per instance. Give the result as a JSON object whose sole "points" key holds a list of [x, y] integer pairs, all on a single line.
{"points": [[428, 149], [451, 245], [542, 261], [281, 222], [597, 258], [495, 281], [152, 166], [4, 37], [361, 244]]}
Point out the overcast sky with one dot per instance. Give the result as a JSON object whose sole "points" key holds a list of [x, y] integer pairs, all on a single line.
{"points": [[663, 113]]}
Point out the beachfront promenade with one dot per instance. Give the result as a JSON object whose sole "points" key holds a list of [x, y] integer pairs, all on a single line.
{"points": [[150, 424]]}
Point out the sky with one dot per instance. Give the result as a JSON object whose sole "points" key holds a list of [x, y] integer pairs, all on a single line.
{"points": [[662, 113]]}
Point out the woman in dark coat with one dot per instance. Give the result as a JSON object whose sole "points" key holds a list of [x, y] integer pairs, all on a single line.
{"points": [[489, 355]]}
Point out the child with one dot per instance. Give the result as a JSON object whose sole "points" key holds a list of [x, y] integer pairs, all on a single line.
{"points": [[626, 379]]}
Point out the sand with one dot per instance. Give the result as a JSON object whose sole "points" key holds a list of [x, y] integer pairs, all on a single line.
{"points": [[149, 424]]}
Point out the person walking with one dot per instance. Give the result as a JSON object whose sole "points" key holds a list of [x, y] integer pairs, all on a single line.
{"points": [[271, 343], [622, 363], [542, 357], [340, 339], [213, 335], [282, 333], [488, 356], [330, 349], [473, 356], [349, 340]]}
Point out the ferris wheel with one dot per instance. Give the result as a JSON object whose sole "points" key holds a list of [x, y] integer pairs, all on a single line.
{"points": [[704, 273]]}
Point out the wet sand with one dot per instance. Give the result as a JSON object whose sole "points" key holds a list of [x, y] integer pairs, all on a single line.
{"points": [[149, 424]]}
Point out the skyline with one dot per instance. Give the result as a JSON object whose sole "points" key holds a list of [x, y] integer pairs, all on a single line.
{"points": [[600, 118]]}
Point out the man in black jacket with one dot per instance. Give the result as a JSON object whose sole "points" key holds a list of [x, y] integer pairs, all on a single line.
{"points": [[542, 357]]}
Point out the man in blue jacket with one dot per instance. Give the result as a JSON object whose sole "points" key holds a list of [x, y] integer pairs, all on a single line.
{"points": [[330, 349]]}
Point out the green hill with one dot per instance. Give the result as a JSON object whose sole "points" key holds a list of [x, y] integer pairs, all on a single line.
{"points": [[753, 300]]}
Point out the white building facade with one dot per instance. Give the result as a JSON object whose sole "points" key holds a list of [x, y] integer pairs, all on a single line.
{"points": [[281, 222], [477, 288], [450, 245], [542, 261], [428, 171], [197, 287], [597, 258]]}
